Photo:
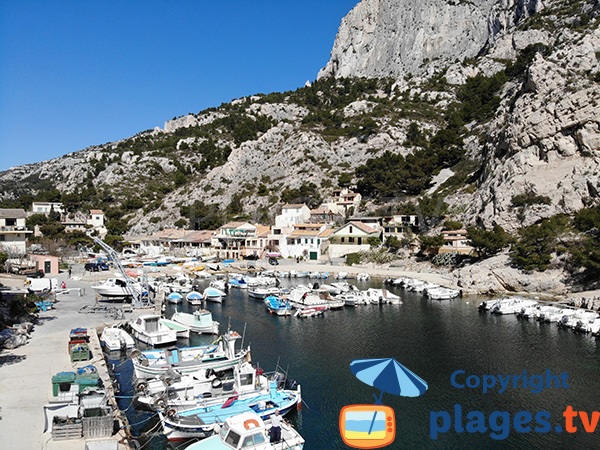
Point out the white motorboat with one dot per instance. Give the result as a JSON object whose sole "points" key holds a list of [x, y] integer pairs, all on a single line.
{"points": [[212, 294], [115, 339], [261, 292], [353, 298], [247, 427], [199, 321], [310, 311], [441, 293], [381, 296], [511, 305], [363, 276], [117, 288], [149, 329]]}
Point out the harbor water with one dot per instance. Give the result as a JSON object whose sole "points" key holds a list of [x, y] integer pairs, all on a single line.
{"points": [[449, 344]]}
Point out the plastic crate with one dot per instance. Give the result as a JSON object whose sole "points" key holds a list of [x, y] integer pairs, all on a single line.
{"points": [[85, 381], [97, 422], [61, 382], [78, 333], [65, 428], [80, 352]]}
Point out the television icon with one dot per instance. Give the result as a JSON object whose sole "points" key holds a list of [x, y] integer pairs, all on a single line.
{"points": [[367, 426]]}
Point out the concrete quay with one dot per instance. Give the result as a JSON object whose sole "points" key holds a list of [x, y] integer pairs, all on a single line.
{"points": [[26, 371]]}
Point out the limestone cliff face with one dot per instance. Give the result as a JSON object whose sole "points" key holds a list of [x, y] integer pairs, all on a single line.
{"points": [[391, 38], [544, 138]]}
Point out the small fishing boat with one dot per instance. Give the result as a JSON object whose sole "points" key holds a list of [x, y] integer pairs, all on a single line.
{"points": [[261, 292], [212, 294], [194, 298], [115, 339], [239, 430], [380, 296], [441, 293], [310, 311], [200, 321], [200, 422], [278, 306], [220, 355], [206, 388], [183, 332], [174, 297], [148, 329], [117, 288]]}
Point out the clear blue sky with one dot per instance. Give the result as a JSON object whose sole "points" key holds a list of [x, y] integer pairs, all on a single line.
{"points": [[75, 73]]}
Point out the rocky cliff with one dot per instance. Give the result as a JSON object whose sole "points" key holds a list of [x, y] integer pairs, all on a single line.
{"points": [[381, 38]]}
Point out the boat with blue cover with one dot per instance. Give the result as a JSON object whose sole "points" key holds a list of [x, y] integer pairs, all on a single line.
{"points": [[201, 422], [278, 306], [220, 355]]}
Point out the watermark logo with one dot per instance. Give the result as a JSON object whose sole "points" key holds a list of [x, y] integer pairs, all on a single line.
{"points": [[374, 426], [499, 424]]}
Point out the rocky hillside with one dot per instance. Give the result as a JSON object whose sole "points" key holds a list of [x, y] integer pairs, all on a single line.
{"points": [[522, 76]]}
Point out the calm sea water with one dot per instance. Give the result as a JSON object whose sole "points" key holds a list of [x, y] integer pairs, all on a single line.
{"points": [[433, 339]]}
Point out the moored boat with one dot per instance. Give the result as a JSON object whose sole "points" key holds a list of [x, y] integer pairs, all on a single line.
{"points": [[278, 306], [200, 422], [183, 332], [212, 294], [115, 338], [248, 427], [220, 355], [148, 329], [199, 321]]}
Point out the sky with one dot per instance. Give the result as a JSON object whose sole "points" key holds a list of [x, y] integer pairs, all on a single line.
{"points": [[78, 73]]}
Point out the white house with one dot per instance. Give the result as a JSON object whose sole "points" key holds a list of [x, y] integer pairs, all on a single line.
{"points": [[13, 232], [291, 214], [344, 201], [46, 207], [456, 241], [351, 238], [96, 218], [309, 241]]}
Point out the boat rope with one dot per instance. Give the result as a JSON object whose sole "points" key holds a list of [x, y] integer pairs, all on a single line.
{"points": [[305, 404], [124, 396], [145, 420]]}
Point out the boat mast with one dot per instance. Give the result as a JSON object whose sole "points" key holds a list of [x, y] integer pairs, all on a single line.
{"points": [[138, 299]]}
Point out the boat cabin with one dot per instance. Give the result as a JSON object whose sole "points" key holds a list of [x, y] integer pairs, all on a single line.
{"points": [[244, 431]]}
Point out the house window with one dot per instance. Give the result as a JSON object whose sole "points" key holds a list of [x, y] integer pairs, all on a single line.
{"points": [[2, 237], [343, 240], [10, 222], [350, 228], [351, 240]]}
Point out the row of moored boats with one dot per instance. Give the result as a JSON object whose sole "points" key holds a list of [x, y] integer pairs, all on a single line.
{"points": [[578, 319]]}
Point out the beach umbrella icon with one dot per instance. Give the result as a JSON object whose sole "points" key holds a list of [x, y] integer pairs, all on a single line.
{"points": [[194, 295], [388, 375], [174, 296]]}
